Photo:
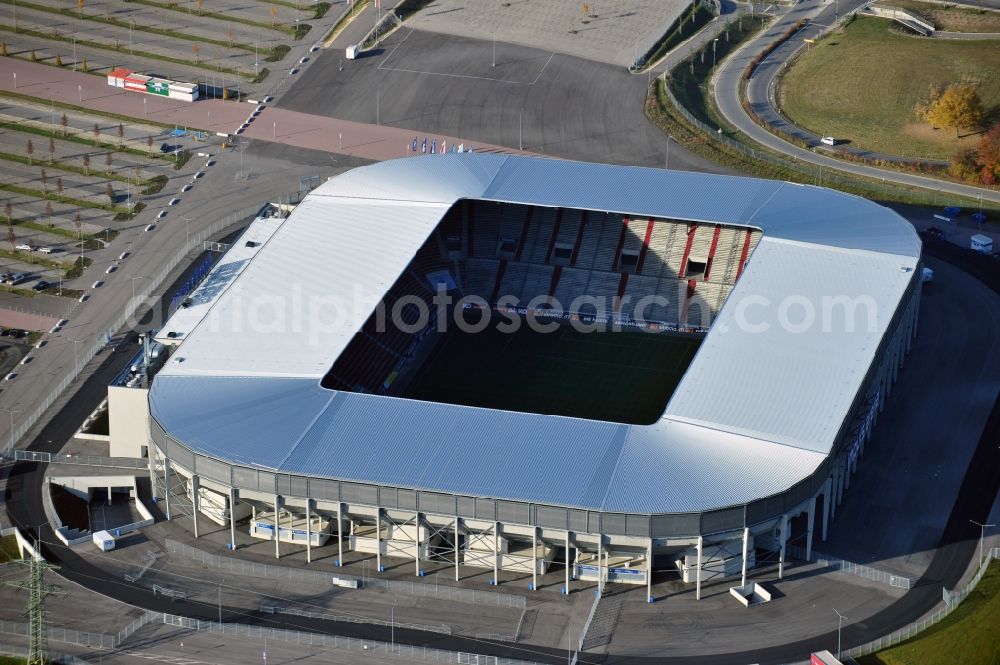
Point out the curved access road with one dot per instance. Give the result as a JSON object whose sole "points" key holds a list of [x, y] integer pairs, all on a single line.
{"points": [[727, 83]]}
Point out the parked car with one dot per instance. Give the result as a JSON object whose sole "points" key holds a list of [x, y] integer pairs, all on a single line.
{"points": [[166, 147], [41, 285], [25, 247], [45, 250], [828, 140]]}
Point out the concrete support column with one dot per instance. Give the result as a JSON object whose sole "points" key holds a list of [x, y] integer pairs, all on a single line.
{"points": [[277, 526], [649, 571], [378, 540], [457, 523], [166, 484], [840, 484], [746, 551], [810, 521], [340, 533], [309, 537], [600, 563], [496, 553], [781, 552], [416, 544], [568, 564], [697, 573], [827, 484], [150, 464], [834, 490], [232, 518], [534, 558], [195, 503]]}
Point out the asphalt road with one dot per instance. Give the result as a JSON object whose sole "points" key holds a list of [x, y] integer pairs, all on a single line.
{"points": [[546, 102], [728, 80]]}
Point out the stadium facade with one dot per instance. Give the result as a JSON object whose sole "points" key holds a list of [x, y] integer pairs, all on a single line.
{"points": [[810, 316]]}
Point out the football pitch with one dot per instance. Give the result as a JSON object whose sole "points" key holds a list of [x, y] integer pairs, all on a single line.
{"points": [[624, 377]]}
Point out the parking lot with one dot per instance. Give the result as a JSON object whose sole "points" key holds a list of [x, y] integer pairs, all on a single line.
{"points": [[222, 44]]}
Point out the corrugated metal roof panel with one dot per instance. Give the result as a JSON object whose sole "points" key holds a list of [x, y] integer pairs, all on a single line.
{"points": [[308, 290], [466, 450], [246, 421], [678, 467], [784, 361]]}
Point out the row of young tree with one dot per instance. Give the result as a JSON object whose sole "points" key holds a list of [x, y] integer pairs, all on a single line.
{"points": [[959, 107]]}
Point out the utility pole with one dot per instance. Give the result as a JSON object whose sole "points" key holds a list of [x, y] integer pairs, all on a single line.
{"points": [[38, 631]]}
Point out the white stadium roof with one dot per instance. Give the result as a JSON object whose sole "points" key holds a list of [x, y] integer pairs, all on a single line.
{"points": [[756, 412]]}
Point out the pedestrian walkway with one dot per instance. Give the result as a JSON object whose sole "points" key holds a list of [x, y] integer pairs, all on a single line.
{"points": [[301, 130]]}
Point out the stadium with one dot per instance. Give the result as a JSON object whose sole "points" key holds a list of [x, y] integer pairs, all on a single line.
{"points": [[530, 365]]}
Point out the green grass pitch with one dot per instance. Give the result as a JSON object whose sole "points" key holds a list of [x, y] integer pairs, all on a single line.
{"points": [[624, 377]]}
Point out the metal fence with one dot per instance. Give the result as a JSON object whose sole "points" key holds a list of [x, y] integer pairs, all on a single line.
{"points": [[85, 460], [952, 601], [65, 635], [411, 588], [824, 177], [143, 298], [54, 657], [851, 568], [372, 647]]}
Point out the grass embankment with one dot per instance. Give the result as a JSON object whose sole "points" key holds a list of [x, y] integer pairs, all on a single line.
{"points": [[969, 635], [344, 21], [950, 18], [691, 21], [661, 113], [689, 80], [862, 83]]}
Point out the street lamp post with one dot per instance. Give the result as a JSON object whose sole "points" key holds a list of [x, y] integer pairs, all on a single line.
{"points": [[715, 43], [982, 536], [133, 284], [12, 412], [76, 354], [392, 624], [79, 92], [143, 107], [187, 224], [15, 80], [840, 623]]}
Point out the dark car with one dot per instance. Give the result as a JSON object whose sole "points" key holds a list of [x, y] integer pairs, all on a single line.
{"points": [[40, 285], [166, 147]]}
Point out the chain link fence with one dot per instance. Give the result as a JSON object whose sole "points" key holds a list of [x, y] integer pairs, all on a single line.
{"points": [[85, 460], [410, 588], [372, 647], [851, 568], [823, 177], [951, 600]]}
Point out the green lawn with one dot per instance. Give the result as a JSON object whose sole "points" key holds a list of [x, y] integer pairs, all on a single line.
{"points": [[861, 85], [613, 376], [969, 635]]}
